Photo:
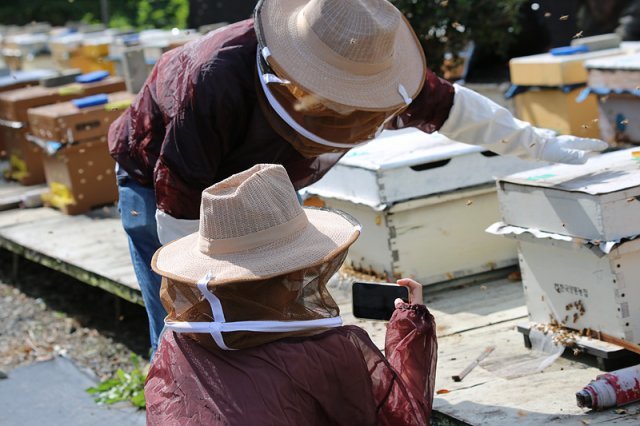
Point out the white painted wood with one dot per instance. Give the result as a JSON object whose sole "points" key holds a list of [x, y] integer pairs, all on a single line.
{"points": [[485, 398], [404, 164], [595, 201], [557, 274], [455, 310], [432, 239], [618, 62]]}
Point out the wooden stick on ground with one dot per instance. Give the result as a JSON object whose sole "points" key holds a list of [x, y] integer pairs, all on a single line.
{"points": [[616, 341], [458, 377]]}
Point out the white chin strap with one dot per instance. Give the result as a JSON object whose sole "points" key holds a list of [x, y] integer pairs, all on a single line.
{"points": [[283, 114], [219, 324]]}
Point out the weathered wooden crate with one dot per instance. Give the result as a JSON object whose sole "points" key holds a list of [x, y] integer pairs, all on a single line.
{"points": [[616, 82], [14, 105], [80, 176], [65, 122]]}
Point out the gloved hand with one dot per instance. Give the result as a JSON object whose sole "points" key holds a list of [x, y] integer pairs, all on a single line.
{"points": [[569, 149], [476, 120]]}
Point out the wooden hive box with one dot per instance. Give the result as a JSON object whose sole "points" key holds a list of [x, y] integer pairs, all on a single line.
{"points": [[549, 87], [423, 214], [67, 123], [14, 105], [576, 229], [17, 80], [616, 81], [80, 176]]}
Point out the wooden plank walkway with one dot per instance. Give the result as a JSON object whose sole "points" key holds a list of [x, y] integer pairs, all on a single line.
{"points": [[93, 249]]}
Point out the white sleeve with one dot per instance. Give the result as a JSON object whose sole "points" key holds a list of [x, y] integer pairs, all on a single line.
{"points": [[476, 120], [170, 228]]}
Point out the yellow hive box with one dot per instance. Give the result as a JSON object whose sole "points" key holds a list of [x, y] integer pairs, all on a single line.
{"points": [[88, 64], [553, 109], [546, 69], [555, 83], [25, 158], [95, 50]]}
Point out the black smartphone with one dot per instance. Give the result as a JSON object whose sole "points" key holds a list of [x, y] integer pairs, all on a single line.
{"points": [[372, 300]]}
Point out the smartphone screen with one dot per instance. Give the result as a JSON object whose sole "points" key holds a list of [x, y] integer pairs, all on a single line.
{"points": [[376, 300]]}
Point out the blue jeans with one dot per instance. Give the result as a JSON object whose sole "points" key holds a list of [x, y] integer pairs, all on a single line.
{"points": [[137, 206]]}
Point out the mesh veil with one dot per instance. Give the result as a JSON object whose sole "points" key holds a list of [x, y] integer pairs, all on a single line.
{"points": [[296, 296]]}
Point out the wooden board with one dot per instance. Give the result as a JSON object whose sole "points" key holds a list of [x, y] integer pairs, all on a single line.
{"points": [[12, 193], [455, 310], [92, 247], [605, 356], [486, 398]]}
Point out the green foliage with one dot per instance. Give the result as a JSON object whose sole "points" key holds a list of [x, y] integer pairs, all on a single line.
{"points": [[123, 387], [162, 13], [445, 27], [56, 12], [138, 14]]}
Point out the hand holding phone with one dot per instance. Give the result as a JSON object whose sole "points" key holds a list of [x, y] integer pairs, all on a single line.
{"points": [[375, 300], [415, 290]]}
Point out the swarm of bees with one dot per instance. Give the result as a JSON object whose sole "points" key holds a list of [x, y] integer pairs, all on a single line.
{"points": [[561, 335], [580, 310]]}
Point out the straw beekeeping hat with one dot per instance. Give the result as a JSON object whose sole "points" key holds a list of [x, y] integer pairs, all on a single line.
{"points": [[252, 227], [359, 53]]}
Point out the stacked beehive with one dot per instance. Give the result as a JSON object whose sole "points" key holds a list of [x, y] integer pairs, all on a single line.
{"points": [[546, 88], [26, 158], [77, 164], [616, 82], [16, 80], [422, 213], [576, 230]]}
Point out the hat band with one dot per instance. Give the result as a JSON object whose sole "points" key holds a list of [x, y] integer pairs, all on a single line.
{"points": [[250, 241], [326, 54]]}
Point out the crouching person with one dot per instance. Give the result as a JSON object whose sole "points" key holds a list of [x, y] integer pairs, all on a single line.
{"points": [[253, 336]]}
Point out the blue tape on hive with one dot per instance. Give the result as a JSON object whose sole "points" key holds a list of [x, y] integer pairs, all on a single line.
{"points": [[91, 101], [92, 77], [569, 50]]}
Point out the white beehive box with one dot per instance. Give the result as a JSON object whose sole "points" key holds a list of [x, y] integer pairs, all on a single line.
{"points": [[595, 201], [579, 284], [424, 202], [616, 80]]}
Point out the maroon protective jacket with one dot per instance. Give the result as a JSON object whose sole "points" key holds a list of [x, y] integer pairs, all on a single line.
{"points": [[338, 377], [197, 121]]}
